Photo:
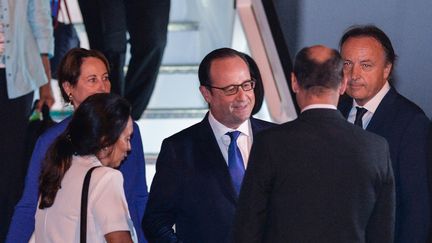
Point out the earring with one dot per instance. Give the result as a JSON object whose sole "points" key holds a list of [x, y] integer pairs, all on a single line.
{"points": [[70, 97]]}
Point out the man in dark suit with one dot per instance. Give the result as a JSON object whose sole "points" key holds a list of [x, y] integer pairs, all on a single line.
{"points": [[317, 178], [368, 62], [199, 170]]}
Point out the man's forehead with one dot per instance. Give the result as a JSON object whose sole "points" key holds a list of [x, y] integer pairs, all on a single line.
{"points": [[362, 48], [361, 42], [229, 60], [229, 68]]}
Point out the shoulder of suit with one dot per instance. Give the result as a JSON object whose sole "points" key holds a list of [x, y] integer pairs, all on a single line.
{"points": [[189, 132], [272, 129], [371, 141], [403, 111], [262, 123], [406, 105]]}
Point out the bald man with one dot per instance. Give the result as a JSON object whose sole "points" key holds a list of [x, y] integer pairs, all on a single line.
{"points": [[318, 178]]}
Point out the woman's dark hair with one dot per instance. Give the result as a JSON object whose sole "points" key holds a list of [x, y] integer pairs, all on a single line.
{"points": [[69, 68], [96, 124]]}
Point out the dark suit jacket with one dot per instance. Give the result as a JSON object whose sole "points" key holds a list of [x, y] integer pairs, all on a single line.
{"points": [[192, 189], [317, 179], [405, 126]]}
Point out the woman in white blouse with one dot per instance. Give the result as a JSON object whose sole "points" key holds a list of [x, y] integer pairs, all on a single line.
{"points": [[98, 135]]}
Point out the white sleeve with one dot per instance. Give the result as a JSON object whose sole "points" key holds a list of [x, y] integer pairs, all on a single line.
{"points": [[110, 208]]}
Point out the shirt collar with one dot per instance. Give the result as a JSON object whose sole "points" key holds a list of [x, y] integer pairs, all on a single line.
{"points": [[373, 103], [319, 106], [220, 129]]}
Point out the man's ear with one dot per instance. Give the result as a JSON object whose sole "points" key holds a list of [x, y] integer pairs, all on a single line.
{"points": [[387, 70], [343, 85], [205, 92], [294, 83]]}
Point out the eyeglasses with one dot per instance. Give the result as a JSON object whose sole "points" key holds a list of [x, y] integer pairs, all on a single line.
{"points": [[234, 88]]}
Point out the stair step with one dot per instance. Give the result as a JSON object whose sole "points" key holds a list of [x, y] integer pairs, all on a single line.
{"points": [[183, 47], [172, 26], [150, 158], [178, 68], [155, 130], [177, 90], [182, 35], [174, 113], [183, 26]]}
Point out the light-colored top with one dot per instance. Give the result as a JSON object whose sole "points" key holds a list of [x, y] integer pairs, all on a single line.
{"points": [[244, 141], [371, 106], [2, 47], [319, 106], [132, 169], [2, 38], [107, 207], [28, 33]]}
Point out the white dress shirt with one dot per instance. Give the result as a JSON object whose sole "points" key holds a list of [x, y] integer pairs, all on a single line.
{"points": [[371, 106], [244, 141]]}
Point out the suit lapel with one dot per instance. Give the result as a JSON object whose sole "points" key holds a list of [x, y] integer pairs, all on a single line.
{"points": [[209, 146], [382, 115]]}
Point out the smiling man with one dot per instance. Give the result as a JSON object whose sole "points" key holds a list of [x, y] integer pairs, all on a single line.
{"points": [[200, 170], [376, 106]]}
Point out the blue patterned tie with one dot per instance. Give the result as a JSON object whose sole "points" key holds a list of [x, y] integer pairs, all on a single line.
{"points": [[235, 161]]}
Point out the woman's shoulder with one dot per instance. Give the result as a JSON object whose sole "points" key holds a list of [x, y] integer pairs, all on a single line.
{"points": [[107, 171], [101, 174], [107, 176], [105, 184]]}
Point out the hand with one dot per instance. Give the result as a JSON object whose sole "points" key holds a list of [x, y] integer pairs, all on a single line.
{"points": [[45, 92], [45, 96]]}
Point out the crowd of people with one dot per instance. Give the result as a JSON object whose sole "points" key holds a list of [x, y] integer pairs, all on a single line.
{"points": [[353, 167]]}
